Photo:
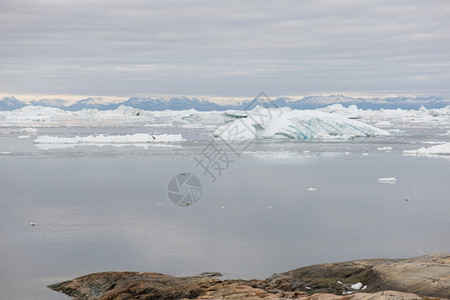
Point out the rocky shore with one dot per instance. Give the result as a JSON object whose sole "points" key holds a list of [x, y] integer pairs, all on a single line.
{"points": [[423, 277]]}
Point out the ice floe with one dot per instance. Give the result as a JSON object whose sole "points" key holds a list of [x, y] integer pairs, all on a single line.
{"points": [[390, 180], [443, 149], [138, 138], [29, 130], [384, 149]]}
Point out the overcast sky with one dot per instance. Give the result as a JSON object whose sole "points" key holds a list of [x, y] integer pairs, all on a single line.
{"points": [[226, 48]]}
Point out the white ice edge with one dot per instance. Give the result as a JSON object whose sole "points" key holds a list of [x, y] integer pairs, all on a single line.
{"points": [[138, 138], [45, 147], [442, 149]]}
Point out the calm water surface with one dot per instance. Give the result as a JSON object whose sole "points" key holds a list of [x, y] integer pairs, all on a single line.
{"points": [[99, 212]]}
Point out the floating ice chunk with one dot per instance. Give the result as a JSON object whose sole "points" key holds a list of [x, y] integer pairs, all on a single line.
{"points": [[307, 287], [312, 189], [391, 180], [138, 138], [364, 287], [29, 130], [384, 148], [23, 136], [295, 124], [357, 286], [433, 143], [4, 152], [447, 133], [340, 282], [443, 149]]}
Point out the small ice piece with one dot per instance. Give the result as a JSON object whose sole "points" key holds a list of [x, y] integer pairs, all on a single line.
{"points": [[364, 287], [390, 180], [222, 207], [347, 292], [312, 189], [357, 286], [24, 136], [340, 282], [307, 287], [29, 130], [384, 148], [365, 153], [4, 152], [433, 143]]}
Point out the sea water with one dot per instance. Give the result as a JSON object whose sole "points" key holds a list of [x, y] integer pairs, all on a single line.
{"points": [[279, 205]]}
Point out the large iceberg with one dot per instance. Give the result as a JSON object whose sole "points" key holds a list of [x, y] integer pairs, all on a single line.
{"points": [[296, 124]]}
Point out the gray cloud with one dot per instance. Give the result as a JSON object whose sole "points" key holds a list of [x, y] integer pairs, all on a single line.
{"points": [[228, 48]]}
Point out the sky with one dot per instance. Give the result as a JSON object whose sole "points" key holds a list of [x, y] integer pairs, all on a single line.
{"points": [[224, 48]]}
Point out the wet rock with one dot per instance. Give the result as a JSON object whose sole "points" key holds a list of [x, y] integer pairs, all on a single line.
{"points": [[415, 278], [427, 275]]}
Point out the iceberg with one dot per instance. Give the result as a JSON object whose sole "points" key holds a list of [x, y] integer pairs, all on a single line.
{"points": [[296, 124]]}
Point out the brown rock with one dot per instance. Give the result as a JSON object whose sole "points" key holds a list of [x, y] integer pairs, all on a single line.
{"points": [[415, 278], [427, 275]]}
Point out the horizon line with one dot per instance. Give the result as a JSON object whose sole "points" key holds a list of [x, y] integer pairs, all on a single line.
{"points": [[73, 98]]}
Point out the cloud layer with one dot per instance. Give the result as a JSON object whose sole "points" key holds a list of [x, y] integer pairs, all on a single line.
{"points": [[227, 48]]}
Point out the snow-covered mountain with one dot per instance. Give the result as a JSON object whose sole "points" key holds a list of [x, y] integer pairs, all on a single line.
{"points": [[57, 103], [184, 103], [93, 103], [11, 103]]}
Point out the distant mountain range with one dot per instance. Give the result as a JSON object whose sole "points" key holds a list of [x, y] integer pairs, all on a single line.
{"points": [[184, 103]]}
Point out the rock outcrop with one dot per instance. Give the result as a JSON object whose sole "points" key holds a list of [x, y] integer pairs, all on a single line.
{"points": [[421, 277]]}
